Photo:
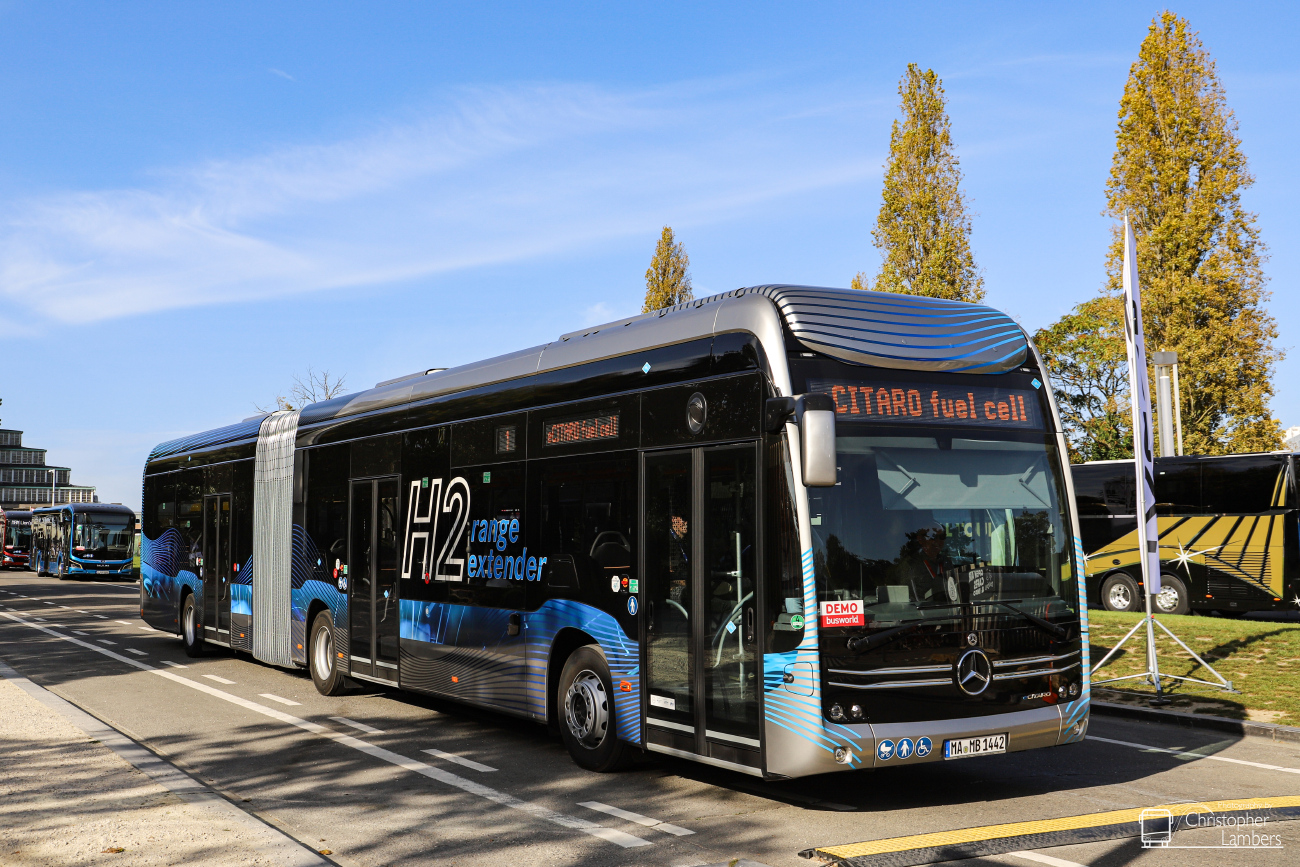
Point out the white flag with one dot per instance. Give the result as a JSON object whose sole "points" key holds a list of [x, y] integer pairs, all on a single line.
{"points": [[1143, 436]]}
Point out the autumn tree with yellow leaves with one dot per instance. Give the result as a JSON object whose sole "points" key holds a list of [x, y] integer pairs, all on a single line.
{"points": [[1178, 171], [923, 228], [668, 279]]}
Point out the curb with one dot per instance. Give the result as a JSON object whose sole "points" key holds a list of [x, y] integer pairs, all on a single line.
{"points": [[1280, 734]]}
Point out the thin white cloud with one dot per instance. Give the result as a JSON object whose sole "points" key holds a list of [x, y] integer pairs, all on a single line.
{"points": [[281, 73], [497, 174]]}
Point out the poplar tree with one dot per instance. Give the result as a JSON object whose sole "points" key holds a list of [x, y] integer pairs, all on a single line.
{"points": [[668, 279], [1178, 171], [923, 228]]}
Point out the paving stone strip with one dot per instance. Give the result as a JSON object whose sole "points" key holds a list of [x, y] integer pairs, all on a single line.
{"points": [[75, 790]]}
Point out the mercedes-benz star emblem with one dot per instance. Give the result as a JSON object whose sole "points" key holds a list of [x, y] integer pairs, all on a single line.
{"points": [[974, 672], [972, 639]]}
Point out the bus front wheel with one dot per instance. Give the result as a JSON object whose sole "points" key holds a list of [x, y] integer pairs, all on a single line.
{"points": [[191, 629], [323, 660], [1120, 593], [584, 702]]}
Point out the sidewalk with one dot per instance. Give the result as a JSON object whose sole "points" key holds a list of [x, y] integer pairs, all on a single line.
{"points": [[67, 799]]}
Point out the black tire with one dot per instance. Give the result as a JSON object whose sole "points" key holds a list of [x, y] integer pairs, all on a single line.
{"points": [[584, 704], [1120, 593], [322, 658], [1172, 598], [40, 567], [63, 570], [191, 627]]}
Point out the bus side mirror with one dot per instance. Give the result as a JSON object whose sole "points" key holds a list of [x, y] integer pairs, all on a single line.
{"points": [[815, 416]]}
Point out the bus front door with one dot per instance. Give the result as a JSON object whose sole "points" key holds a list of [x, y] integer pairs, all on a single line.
{"points": [[702, 656], [216, 569], [373, 626]]}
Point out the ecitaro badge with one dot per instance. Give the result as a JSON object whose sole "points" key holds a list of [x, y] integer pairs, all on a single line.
{"points": [[846, 612]]}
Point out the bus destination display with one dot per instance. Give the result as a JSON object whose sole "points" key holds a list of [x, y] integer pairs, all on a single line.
{"points": [[579, 430], [929, 403]]}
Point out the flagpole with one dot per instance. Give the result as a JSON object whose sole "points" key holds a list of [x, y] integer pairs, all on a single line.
{"points": [[1148, 532]]}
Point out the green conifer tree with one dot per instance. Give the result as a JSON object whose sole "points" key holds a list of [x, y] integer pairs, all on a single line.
{"points": [[923, 228], [668, 279], [1178, 172]]}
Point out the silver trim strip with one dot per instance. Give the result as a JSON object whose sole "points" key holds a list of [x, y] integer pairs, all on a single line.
{"points": [[896, 684], [663, 723], [386, 665], [707, 760], [723, 736], [385, 681], [1040, 672], [1033, 660], [359, 659], [907, 669]]}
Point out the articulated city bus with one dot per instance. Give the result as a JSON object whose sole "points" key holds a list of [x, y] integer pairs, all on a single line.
{"points": [[82, 539], [1229, 541], [16, 534], [782, 530]]}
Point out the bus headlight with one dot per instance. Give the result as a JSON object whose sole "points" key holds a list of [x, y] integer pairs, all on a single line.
{"points": [[1074, 690], [856, 711], [837, 712]]}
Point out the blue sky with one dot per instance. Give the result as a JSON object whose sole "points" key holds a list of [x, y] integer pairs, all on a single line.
{"points": [[198, 201]]}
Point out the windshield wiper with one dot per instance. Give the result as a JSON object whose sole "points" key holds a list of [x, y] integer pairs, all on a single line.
{"points": [[863, 643], [1045, 625]]}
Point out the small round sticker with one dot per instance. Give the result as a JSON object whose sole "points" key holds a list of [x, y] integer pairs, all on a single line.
{"points": [[631, 605], [905, 748], [885, 751], [923, 747], [796, 621]]}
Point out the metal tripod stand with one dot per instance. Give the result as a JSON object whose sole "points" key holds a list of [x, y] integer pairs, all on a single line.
{"points": [[1152, 673]]}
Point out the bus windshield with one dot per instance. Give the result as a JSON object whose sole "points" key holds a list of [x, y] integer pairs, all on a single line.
{"points": [[108, 535], [924, 525], [18, 535]]}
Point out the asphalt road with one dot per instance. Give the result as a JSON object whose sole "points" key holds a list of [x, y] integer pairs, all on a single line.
{"points": [[382, 777]]}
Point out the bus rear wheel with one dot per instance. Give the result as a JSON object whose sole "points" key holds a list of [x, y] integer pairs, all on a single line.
{"points": [[63, 570], [191, 629], [323, 660], [1120, 593], [1172, 598], [584, 702]]}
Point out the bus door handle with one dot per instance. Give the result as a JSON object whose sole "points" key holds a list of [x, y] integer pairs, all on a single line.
{"points": [[749, 625]]}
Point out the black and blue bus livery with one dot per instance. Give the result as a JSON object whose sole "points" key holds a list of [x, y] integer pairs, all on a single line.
{"points": [[782, 530], [80, 539]]}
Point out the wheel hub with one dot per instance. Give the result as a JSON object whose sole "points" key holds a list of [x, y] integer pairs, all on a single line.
{"points": [[586, 709], [1119, 598], [1167, 599], [324, 655]]}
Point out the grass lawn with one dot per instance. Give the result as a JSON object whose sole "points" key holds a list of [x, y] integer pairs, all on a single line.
{"points": [[1261, 659]]}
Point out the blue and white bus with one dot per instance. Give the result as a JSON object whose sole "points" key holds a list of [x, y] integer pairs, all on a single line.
{"points": [[783, 530], [83, 539]]}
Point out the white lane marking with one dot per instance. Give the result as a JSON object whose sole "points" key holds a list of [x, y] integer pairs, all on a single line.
{"points": [[217, 679], [78, 632], [100, 616], [273, 697], [1050, 860], [136, 652], [106, 641], [79, 611], [65, 608], [41, 619], [460, 760], [147, 628], [1191, 755], [627, 841], [43, 602], [285, 849], [123, 622], [359, 726], [173, 664], [636, 817]]}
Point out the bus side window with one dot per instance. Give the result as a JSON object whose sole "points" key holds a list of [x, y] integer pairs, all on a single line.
{"points": [[587, 508]]}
